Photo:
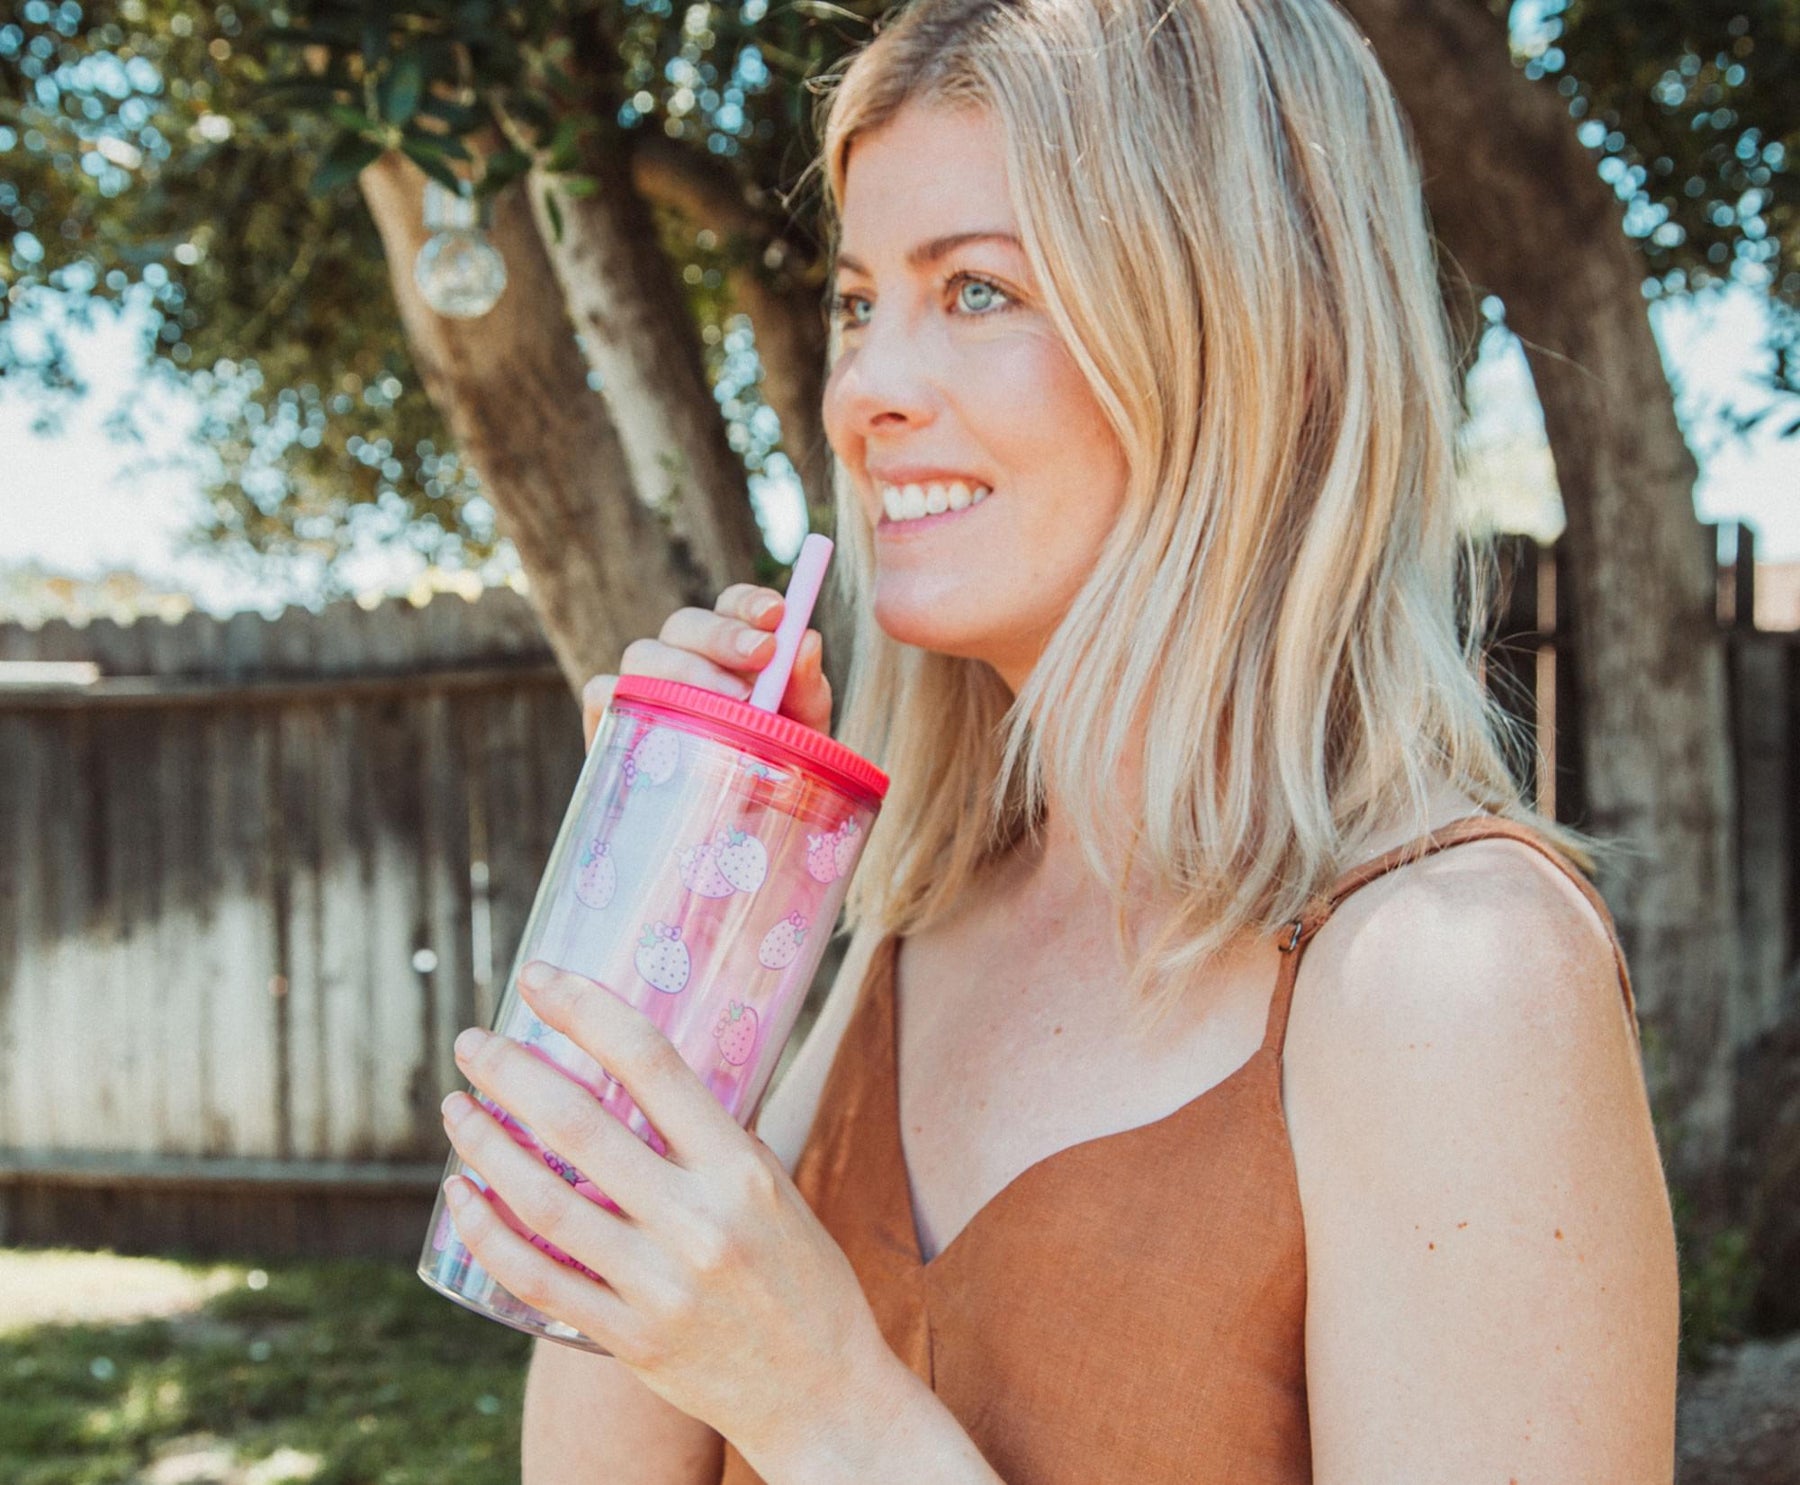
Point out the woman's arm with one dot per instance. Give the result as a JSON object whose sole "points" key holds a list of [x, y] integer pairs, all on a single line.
{"points": [[588, 1420], [1491, 1274]]}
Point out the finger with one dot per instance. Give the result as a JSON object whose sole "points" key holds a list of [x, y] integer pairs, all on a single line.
{"points": [[529, 1274], [552, 1205], [627, 1043], [596, 696], [654, 658], [808, 695], [729, 643], [568, 1120], [759, 606]]}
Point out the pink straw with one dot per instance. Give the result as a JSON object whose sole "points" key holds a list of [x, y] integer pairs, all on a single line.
{"points": [[802, 594]]}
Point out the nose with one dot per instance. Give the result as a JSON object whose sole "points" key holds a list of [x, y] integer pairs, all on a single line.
{"points": [[883, 381]]}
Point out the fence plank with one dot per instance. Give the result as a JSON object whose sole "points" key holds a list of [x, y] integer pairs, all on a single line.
{"points": [[305, 777], [20, 872], [1760, 670], [396, 929], [447, 985]]}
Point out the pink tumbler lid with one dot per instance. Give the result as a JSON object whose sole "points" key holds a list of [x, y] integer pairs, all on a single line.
{"points": [[778, 738]]}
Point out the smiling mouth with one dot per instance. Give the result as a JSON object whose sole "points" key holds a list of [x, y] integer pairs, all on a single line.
{"points": [[902, 505]]}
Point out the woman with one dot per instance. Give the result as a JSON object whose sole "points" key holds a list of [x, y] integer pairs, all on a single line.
{"points": [[1186, 1109]]}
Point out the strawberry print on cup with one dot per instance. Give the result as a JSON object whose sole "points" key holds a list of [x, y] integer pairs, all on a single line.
{"points": [[781, 944], [831, 855], [736, 1031], [599, 878], [662, 959], [730, 862], [655, 758]]}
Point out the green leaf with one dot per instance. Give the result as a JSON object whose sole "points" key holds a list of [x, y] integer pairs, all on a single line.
{"points": [[431, 161], [353, 119], [458, 118], [446, 145], [342, 163], [578, 187], [503, 168], [531, 111], [565, 144], [555, 213], [401, 89]]}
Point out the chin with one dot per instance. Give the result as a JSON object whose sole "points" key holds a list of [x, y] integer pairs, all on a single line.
{"points": [[941, 629], [925, 629]]}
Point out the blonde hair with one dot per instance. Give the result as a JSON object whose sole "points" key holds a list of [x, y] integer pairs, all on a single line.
{"points": [[1221, 207]]}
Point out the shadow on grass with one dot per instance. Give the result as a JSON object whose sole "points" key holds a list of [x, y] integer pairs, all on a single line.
{"points": [[342, 1373]]}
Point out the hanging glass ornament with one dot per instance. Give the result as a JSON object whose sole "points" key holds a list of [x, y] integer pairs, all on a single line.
{"points": [[459, 272]]}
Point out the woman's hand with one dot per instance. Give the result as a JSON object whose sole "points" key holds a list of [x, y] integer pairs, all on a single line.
{"points": [[722, 649], [720, 1288]]}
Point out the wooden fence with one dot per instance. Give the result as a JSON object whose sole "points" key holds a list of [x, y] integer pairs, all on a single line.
{"points": [[251, 882], [1531, 672]]}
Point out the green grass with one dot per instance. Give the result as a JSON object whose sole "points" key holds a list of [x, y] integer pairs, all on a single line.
{"points": [[340, 1373]]}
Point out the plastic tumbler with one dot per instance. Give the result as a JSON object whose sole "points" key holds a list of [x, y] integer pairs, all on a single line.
{"points": [[698, 874]]}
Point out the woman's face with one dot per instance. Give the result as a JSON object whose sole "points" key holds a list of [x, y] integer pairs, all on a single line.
{"points": [[950, 374]]}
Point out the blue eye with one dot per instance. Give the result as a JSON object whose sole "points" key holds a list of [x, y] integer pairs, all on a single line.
{"points": [[991, 294], [840, 309]]}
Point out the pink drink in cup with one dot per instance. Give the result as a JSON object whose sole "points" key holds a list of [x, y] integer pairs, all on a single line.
{"points": [[698, 875]]}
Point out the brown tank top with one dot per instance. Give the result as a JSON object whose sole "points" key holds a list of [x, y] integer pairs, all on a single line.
{"points": [[1130, 1308]]}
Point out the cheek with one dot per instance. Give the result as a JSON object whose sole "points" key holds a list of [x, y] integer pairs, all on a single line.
{"points": [[1044, 424], [833, 413]]}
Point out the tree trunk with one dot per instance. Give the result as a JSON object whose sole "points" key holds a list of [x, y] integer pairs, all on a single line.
{"points": [[638, 335], [1516, 202], [774, 282], [512, 387]]}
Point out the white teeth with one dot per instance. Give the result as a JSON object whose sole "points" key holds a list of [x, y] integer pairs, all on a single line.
{"points": [[910, 502]]}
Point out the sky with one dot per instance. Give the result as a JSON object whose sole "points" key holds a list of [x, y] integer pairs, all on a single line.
{"points": [[77, 502]]}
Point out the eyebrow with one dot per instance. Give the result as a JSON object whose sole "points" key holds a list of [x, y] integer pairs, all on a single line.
{"points": [[927, 253]]}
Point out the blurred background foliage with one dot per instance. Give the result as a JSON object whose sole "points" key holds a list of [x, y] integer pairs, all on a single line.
{"points": [[194, 166]]}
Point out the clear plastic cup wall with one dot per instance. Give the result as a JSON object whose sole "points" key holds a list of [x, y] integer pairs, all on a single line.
{"points": [[699, 881]]}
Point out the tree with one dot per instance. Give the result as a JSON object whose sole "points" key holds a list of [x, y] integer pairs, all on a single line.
{"points": [[638, 164], [1499, 151]]}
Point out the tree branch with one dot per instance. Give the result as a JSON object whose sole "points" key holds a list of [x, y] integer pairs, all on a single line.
{"points": [[783, 302], [513, 390]]}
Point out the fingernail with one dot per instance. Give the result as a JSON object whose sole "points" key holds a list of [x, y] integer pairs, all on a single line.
{"points": [[469, 1042], [767, 605], [536, 975], [456, 1192], [456, 1107], [749, 642]]}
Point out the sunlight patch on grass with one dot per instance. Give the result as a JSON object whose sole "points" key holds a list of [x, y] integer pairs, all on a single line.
{"points": [[313, 1373], [56, 1286]]}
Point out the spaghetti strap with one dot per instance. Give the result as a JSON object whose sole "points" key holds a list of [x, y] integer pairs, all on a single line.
{"points": [[1295, 935]]}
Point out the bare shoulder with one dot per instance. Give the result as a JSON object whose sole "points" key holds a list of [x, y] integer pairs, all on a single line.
{"points": [[1488, 937], [787, 1114], [1490, 1257]]}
